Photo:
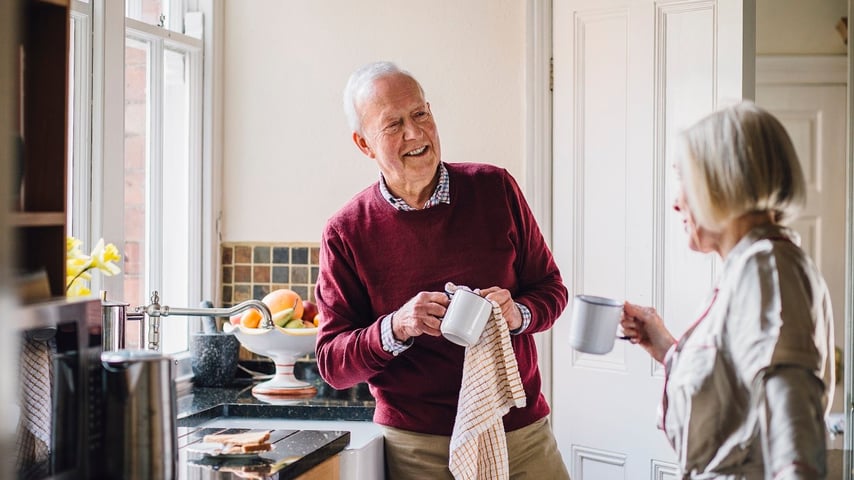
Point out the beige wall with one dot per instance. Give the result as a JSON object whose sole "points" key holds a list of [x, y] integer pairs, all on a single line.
{"points": [[289, 161], [800, 27]]}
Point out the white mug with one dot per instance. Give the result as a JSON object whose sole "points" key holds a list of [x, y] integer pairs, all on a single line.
{"points": [[594, 323], [466, 317]]}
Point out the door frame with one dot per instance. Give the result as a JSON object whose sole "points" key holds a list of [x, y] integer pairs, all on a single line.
{"points": [[538, 144], [849, 269]]}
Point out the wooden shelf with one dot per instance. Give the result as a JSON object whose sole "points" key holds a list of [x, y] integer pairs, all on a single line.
{"points": [[59, 3], [38, 219], [41, 113]]}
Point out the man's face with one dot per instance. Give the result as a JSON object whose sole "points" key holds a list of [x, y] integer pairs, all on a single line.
{"points": [[399, 132]]}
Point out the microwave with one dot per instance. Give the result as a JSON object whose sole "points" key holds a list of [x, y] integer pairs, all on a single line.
{"points": [[59, 433]]}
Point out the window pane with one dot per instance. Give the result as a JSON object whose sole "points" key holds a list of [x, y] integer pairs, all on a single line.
{"points": [[152, 12], [137, 111], [176, 196]]}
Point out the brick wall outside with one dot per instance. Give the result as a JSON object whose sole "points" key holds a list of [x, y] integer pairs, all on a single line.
{"points": [[135, 146]]}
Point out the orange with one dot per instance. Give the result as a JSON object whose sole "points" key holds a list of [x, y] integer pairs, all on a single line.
{"points": [[277, 300]]}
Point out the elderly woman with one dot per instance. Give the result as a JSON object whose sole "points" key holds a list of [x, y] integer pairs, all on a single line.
{"points": [[748, 383]]}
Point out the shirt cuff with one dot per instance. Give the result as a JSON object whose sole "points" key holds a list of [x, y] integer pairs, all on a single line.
{"points": [[668, 357], [391, 344], [526, 319]]}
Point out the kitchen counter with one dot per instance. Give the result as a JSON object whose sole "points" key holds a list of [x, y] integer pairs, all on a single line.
{"points": [[307, 430], [236, 399], [294, 452]]}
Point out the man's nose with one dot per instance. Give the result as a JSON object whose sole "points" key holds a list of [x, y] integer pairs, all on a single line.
{"points": [[411, 130]]}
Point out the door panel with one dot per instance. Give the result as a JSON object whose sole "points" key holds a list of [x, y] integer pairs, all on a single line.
{"points": [[815, 118], [628, 75]]}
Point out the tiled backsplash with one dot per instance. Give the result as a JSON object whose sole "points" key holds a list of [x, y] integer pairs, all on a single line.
{"points": [[252, 270]]}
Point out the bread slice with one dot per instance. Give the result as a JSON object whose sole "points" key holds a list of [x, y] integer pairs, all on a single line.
{"points": [[259, 448], [239, 439]]}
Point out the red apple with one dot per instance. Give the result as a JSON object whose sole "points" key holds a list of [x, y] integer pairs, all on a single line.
{"points": [[309, 310]]}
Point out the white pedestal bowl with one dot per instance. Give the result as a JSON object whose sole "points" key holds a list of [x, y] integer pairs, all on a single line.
{"points": [[283, 346]]}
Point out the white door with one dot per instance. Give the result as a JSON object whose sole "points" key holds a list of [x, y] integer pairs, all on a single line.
{"points": [[808, 95], [628, 75]]}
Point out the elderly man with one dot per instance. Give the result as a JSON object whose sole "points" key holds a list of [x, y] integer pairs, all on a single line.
{"points": [[385, 259]]}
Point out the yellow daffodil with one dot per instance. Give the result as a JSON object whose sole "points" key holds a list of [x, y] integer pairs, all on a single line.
{"points": [[78, 265], [103, 257]]}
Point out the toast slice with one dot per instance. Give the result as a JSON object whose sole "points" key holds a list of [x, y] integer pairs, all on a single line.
{"points": [[239, 439], [233, 449], [246, 442]]}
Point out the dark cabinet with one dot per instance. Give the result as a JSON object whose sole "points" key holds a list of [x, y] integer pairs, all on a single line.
{"points": [[38, 217]]}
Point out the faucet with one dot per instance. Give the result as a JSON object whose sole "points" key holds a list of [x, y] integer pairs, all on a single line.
{"points": [[154, 311]]}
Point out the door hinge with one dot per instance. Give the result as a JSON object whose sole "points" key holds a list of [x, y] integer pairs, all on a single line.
{"points": [[551, 74]]}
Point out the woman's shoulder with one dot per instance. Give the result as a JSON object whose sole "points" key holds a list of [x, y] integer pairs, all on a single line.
{"points": [[767, 249], [775, 292]]}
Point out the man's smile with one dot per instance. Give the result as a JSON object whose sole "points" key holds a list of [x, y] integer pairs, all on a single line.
{"points": [[416, 152]]}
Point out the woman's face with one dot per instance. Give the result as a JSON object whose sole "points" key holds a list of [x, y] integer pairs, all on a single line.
{"points": [[699, 239]]}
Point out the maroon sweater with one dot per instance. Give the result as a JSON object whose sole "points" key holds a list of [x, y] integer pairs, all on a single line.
{"points": [[374, 258]]}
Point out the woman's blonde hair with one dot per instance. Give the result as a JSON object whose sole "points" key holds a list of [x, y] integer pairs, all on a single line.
{"points": [[740, 160]]}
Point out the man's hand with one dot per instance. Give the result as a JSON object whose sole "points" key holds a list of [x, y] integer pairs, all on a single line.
{"points": [[509, 309], [421, 315]]}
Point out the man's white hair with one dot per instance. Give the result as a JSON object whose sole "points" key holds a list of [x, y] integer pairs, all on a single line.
{"points": [[361, 85]]}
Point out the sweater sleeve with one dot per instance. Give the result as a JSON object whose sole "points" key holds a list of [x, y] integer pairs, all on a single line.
{"points": [[540, 285], [349, 346], [792, 424]]}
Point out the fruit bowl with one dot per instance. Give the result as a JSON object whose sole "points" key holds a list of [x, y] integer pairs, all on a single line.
{"points": [[283, 346]]}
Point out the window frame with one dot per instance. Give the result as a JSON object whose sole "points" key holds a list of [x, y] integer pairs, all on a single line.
{"points": [[80, 152], [99, 122], [159, 40]]}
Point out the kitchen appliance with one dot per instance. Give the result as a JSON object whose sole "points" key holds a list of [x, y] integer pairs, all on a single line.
{"points": [[58, 426], [121, 329], [140, 429]]}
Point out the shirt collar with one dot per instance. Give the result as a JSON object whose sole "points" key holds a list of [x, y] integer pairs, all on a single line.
{"points": [[757, 233], [440, 195]]}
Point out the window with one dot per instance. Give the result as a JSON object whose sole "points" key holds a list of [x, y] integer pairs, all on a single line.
{"points": [[162, 171], [153, 163]]}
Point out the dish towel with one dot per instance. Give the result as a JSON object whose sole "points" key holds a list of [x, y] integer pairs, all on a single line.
{"points": [[36, 377], [491, 386]]}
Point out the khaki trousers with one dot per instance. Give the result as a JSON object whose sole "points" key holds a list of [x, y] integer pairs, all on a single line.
{"points": [[419, 456]]}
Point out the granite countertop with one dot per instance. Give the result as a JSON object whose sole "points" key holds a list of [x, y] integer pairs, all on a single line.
{"points": [[292, 453], [237, 399], [296, 451]]}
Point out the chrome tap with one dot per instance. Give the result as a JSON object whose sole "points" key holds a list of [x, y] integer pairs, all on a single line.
{"points": [[154, 311]]}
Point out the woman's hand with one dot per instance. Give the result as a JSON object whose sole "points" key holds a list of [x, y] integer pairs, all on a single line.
{"points": [[643, 326], [509, 309]]}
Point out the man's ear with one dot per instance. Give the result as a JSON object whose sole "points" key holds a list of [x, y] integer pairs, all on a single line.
{"points": [[363, 145]]}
